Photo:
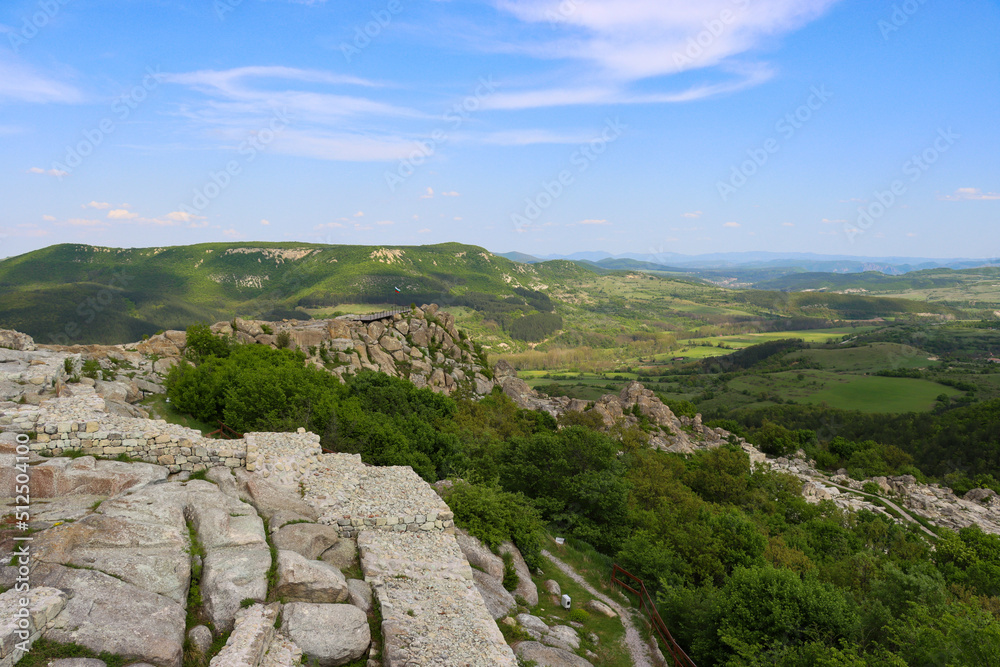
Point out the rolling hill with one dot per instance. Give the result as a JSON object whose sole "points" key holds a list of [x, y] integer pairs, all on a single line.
{"points": [[87, 294]]}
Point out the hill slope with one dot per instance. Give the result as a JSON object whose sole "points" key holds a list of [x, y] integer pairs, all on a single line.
{"points": [[79, 293]]}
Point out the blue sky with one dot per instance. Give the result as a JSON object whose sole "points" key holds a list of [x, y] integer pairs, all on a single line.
{"points": [[546, 126]]}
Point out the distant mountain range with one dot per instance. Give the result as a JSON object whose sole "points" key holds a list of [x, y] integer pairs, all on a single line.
{"points": [[729, 261]]}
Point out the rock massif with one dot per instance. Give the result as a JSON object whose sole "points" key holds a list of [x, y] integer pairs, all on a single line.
{"points": [[134, 558]]}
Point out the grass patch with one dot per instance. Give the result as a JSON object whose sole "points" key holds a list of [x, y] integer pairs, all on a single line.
{"points": [[44, 651], [610, 650], [272, 572]]}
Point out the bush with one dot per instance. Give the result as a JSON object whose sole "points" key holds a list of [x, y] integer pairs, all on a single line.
{"points": [[283, 340], [201, 344], [496, 516]]}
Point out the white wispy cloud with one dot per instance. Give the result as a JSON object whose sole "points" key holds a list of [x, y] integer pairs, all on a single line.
{"points": [[618, 42], [970, 194], [731, 225], [20, 83]]}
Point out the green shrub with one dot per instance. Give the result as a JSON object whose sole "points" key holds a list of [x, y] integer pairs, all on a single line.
{"points": [[202, 343], [579, 615], [283, 340], [510, 579], [495, 516]]}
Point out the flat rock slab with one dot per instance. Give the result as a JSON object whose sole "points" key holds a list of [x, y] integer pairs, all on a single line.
{"points": [[106, 614], [78, 662], [308, 539], [44, 604], [549, 656], [442, 621]]}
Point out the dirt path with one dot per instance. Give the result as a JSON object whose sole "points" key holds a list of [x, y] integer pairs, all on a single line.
{"points": [[640, 651], [904, 513]]}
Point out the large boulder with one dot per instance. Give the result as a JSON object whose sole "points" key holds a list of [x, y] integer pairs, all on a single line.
{"points": [[231, 575], [308, 539], [360, 593], [343, 554], [525, 586], [479, 555], [498, 601], [269, 498], [549, 656], [301, 580], [85, 475], [15, 340], [332, 634], [103, 613]]}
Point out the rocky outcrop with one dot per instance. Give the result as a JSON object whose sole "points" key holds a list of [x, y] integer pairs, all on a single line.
{"points": [[666, 431], [421, 344], [15, 340]]}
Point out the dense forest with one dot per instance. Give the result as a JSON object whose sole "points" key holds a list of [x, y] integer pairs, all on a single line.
{"points": [[746, 572]]}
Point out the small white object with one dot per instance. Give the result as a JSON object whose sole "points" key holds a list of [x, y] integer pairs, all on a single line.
{"points": [[566, 601], [560, 540]]}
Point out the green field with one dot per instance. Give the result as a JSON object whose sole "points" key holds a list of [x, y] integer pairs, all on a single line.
{"points": [[880, 394], [868, 393]]}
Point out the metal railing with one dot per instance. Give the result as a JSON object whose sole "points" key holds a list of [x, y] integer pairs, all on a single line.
{"points": [[225, 433], [681, 658]]}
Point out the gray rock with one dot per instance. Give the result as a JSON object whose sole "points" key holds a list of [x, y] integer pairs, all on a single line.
{"points": [[360, 593], [562, 636], [302, 580], [105, 614], [552, 586], [600, 608], [333, 634], [77, 662], [343, 554], [532, 623], [230, 576], [498, 601], [979, 495], [525, 586], [479, 554], [549, 656], [268, 498], [201, 638], [310, 540]]}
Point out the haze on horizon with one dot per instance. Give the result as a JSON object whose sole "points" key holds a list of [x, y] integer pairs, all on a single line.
{"points": [[545, 126]]}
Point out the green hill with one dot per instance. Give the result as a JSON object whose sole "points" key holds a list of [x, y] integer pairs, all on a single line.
{"points": [[85, 294]]}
